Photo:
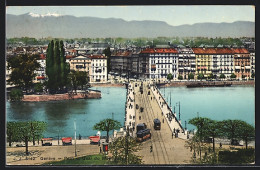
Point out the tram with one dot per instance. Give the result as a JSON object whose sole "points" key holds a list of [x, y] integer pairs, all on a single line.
{"points": [[157, 124], [143, 135]]}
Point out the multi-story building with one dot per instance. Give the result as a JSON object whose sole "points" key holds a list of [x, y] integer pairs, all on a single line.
{"points": [[98, 68], [120, 62], [242, 62], [223, 62], [157, 63], [81, 63], [204, 57], [186, 62], [41, 72]]}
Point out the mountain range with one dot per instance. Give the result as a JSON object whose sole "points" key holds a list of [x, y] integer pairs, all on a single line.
{"points": [[66, 26]]}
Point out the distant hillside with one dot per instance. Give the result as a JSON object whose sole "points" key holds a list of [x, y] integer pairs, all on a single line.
{"points": [[92, 27]]}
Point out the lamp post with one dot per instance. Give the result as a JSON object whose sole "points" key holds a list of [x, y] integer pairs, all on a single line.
{"points": [[75, 137], [179, 110]]}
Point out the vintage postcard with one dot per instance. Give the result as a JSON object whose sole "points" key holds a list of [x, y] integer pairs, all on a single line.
{"points": [[161, 85]]}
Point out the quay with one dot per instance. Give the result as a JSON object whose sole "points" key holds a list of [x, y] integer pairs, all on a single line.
{"points": [[168, 146]]}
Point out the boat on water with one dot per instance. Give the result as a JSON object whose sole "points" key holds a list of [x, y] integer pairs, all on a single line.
{"points": [[209, 84]]}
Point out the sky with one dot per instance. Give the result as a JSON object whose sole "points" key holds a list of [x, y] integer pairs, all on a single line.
{"points": [[173, 15]]}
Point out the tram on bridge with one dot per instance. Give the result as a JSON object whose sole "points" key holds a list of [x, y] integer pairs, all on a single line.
{"points": [[157, 124]]}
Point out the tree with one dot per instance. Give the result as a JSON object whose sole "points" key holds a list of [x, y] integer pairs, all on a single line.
{"points": [[56, 67], [37, 128], [191, 76], [231, 129], [200, 76], [16, 95], [64, 72], [211, 76], [233, 76], [38, 87], [222, 76], [11, 132], [50, 65], [247, 132], [107, 125], [25, 131], [22, 67], [213, 130], [82, 78], [123, 149], [170, 76], [180, 77], [202, 125]]}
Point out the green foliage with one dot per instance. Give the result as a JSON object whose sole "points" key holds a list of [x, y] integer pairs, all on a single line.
{"points": [[11, 132], [22, 67], [78, 78], [200, 76], [16, 95], [85, 160], [56, 66], [123, 149], [191, 76], [107, 125], [38, 87], [180, 77], [233, 76], [241, 156], [169, 76], [24, 131], [211, 76], [222, 76]]}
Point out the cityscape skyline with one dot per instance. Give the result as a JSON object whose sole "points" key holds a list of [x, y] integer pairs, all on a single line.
{"points": [[179, 15]]}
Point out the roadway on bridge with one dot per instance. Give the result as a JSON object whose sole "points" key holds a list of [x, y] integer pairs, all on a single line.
{"points": [[165, 148]]}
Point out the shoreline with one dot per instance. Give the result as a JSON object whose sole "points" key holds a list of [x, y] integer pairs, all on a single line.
{"points": [[185, 83]]}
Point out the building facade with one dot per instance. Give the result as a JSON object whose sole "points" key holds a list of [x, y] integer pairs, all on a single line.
{"points": [[98, 69], [186, 62], [204, 57], [242, 63], [81, 63], [157, 63]]}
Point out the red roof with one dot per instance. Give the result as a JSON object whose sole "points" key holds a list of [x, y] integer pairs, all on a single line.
{"points": [[220, 50], [69, 56], [240, 51], [159, 50], [97, 57]]}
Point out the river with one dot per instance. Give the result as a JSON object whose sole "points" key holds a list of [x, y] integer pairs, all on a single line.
{"points": [[219, 103]]}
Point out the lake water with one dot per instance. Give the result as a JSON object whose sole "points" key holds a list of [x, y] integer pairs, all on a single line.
{"points": [[217, 103]]}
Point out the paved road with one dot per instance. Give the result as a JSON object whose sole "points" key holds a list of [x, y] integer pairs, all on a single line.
{"points": [[166, 150]]}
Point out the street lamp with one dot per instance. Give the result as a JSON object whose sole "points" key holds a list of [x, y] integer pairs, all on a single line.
{"points": [[179, 109], [75, 137]]}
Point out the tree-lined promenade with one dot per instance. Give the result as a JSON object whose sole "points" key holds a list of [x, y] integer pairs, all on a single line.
{"points": [[123, 150]]}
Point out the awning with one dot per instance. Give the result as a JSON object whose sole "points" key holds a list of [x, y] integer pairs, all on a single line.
{"points": [[40, 78], [46, 139], [237, 67], [94, 138], [247, 67]]}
